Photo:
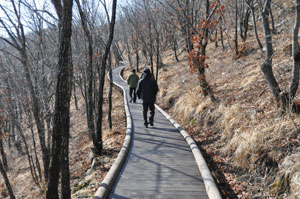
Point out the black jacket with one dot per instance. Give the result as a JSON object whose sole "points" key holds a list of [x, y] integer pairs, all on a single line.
{"points": [[147, 89]]}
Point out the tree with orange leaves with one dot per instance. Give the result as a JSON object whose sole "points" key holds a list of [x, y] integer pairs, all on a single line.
{"points": [[201, 35]]}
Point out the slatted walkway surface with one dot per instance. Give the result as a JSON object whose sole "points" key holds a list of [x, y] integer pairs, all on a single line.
{"points": [[160, 163]]}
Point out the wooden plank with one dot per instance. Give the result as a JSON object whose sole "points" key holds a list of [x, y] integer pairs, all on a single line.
{"points": [[160, 164]]}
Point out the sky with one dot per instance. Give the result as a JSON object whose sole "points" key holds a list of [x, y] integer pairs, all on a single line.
{"points": [[7, 5], [39, 5]]}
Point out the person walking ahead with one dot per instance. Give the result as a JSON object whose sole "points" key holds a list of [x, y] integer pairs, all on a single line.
{"points": [[132, 82], [147, 90]]}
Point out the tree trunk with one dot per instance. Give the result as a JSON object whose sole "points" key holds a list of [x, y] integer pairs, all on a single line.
{"points": [[36, 108], [128, 51], [10, 134], [157, 56], [266, 67], [29, 157], [3, 154], [6, 180], [15, 121], [74, 95], [236, 29], [49, 133], [116, 52], [61, 123], [272, 20], [202, 78], [110, 92], [174, 46], [65, 170], [216, 39], [244, 24], [37, 163], [250, 5], [97, 140], [187, 33], [296, 54], [137, 60], [90, 101], [151, 47], [137, 57], [125, 40], [221, 37]]}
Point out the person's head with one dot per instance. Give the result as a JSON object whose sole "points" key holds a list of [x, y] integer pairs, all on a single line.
{"points": [[133, 70], [147, 71]]}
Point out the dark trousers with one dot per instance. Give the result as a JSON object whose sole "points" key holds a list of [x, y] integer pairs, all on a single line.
{"points": [[145, 111], [132, 92]]}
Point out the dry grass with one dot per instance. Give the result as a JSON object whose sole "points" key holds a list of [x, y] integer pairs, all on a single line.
{"points": [[245, 125]]}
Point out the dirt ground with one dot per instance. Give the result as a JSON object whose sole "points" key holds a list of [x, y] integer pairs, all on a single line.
{"points": [[84, 183]]}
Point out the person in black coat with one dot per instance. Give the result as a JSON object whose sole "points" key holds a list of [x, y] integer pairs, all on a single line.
{"points": [[146, 90]]}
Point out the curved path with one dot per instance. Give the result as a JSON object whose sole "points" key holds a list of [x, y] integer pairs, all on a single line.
{"points": [[160, 162]]}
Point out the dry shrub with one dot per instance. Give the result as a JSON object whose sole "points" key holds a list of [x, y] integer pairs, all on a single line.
{"points": [[106, 133], [255, 138], [190, 109], [252, 76], [233, 118], [245, 49], [3, 191], [239, 134], [288, 177], [168, 96]]}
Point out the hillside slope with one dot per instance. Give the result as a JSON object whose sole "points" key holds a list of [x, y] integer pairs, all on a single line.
{"points": [[252, 150], [83, 183]]}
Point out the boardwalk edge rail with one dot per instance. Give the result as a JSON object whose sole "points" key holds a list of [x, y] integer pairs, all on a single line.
{"points": [[108, 181], [209, 182]]}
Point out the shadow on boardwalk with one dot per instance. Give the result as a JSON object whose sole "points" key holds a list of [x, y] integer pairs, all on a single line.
{"points": [[160, 163]]}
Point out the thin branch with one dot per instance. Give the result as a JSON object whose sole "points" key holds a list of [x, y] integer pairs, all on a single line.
{"points": [[9, 42]]}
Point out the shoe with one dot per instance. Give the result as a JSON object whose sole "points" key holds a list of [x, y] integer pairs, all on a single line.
{"points": [[146, 124], [130, 100], [151, 123]]}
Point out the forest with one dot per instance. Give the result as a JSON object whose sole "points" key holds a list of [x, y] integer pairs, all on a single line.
{"points": [[227, 70]]}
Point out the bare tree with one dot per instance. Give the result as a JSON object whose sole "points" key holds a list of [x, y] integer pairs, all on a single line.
{"points": [[6, 180], [109, 64], [266, 67], [250, 4], [90, 78], [97, 139], [110, 92], [283, 99], [296, 54], [236, 43], [244, 14], [17, 39], [2, 136], [126, 40], [61, 126]]}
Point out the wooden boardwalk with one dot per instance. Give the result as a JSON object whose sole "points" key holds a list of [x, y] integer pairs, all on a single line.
{"points": [[160, 163]]}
